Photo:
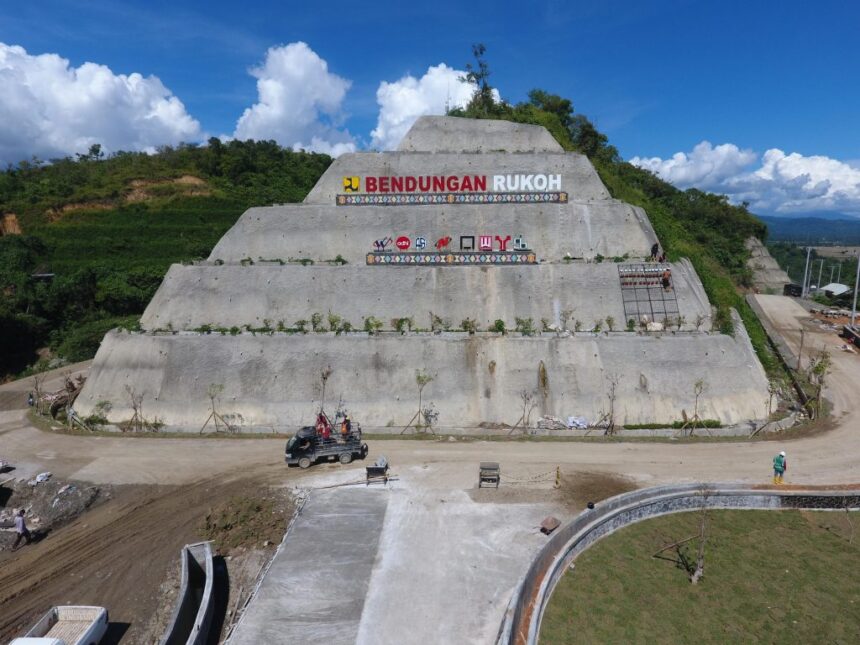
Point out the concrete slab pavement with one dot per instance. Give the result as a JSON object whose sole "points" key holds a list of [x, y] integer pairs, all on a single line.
{"points": [[314, 590]]}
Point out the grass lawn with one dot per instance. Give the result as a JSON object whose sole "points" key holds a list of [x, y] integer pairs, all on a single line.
{"points": [[769, 577]]}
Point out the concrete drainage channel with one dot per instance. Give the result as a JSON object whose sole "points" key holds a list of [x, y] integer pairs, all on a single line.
{"points": [[521, 624], [192, 616]]}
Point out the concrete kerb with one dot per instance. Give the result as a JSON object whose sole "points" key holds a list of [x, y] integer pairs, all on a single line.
{"points": [[521, 624]]}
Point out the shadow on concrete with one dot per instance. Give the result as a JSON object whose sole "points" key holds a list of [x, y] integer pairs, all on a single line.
{"points": [[220, 600]]}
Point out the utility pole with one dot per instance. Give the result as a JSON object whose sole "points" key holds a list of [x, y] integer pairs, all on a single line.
{"points": [[820, 267], [856, 281], [839, 275], [832, 266], [804, 288], [800, 353]]}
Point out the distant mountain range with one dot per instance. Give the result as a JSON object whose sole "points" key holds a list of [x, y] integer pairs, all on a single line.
{"points": [[813, 230]]}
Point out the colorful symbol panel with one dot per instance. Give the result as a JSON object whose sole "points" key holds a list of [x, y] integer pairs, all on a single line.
{"points": [[450, 259], [410, 199]]}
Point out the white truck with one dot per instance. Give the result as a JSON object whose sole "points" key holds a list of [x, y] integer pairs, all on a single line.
{"points": [[71, 625]]}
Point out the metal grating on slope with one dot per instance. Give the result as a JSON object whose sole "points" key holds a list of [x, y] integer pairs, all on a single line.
{"points": [[643, 293]]}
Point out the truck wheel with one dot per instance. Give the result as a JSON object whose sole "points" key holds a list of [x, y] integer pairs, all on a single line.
{"points": [[345, 458], [304, 462]]}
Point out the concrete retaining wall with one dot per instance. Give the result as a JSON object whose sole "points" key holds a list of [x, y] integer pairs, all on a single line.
{"points": [[579, 179], [192, 616], [450, 134], [297, 231], [522, 620], [271, 381], [224, 296], [768, 277]]}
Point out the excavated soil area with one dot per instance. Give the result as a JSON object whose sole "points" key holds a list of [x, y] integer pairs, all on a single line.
{"points": [[123, 554]]}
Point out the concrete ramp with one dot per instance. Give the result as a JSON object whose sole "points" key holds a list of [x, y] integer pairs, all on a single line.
{"points": [[314, 591]]}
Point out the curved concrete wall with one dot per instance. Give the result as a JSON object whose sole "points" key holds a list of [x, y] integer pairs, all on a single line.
{"points": [[579, 179], [192, 616], [450, 134], [583, 230], [522, 620], [224, 296], [272, 380]]}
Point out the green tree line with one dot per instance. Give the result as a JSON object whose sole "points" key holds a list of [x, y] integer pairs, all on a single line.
{"points": [[72, 276]]}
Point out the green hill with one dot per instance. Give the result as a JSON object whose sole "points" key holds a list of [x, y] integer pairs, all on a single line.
{"points": [[108, 229]]}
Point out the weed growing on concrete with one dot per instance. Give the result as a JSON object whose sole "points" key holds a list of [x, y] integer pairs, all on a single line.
{"points": [[469, 325], [301, 326], [598, 325], [610, 323], [525, 326], [372, 325], [499, 327], [316, 321], [577, 325], [437, 323], [403, 324], [333, 322], [631, 324]]}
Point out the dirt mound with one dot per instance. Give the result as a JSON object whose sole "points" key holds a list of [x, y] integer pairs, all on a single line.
{"points": [[48, 506], [578, 489], [248, 521]]}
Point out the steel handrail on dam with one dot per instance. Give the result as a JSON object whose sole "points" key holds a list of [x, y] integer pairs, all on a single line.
{"points": [[192, 615], [521, 624]]}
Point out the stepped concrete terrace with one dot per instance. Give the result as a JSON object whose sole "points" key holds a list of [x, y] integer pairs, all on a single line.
{"points": [[513, 234], [278, 296]]}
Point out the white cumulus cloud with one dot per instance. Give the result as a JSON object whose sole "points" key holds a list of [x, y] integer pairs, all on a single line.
{"points": [[49, 108], [299, 102], [706, 166], [403, 101], [774, 182]]}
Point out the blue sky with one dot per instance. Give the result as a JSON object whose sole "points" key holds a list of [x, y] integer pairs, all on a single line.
{"points": [[659, 78]]}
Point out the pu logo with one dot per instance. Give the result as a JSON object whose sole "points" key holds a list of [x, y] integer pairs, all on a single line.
{"points": [[351, 184]]}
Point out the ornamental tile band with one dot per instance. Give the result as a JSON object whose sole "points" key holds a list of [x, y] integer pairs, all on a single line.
{"points": [[450, 259], [410, 199]]}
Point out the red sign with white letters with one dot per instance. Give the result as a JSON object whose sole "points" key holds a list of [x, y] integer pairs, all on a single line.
{"points": [[403, 243]]}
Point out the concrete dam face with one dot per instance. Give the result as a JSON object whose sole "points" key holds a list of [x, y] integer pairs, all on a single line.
{"points": [[479, 254]]}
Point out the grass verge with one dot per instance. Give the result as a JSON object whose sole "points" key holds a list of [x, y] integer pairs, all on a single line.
{"points": [[769, 576]]}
